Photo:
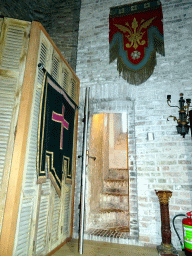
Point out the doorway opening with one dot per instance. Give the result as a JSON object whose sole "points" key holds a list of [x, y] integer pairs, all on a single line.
{"points": [[108, 179]]}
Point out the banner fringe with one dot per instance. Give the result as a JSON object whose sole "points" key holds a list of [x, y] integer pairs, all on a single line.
{"points": [[133, 77], [159, 45]]}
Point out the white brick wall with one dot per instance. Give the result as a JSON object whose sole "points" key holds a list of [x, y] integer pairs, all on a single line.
{"points": [[165, 162]]}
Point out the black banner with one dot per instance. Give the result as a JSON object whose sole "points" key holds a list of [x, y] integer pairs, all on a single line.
{"points": [[55, 134]]}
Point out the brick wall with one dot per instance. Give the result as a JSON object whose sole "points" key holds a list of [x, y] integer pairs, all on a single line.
{"points": [[64, 27], [60, 19], [165, 162]]}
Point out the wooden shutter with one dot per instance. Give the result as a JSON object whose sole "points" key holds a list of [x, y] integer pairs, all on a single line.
{"points": [[65, 79], [42, 220], [49, 221], [55, 67], [14, 37], [54, 224], [43, 60], [24, 227], [30, 189], [66, 212], [73, 92]]}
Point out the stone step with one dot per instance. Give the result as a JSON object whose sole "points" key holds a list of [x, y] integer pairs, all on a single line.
{"points": [[104, 210], [115, 194], [108, 219], [117, 174], [121, 191], [114, 201], [115, 187], [115, 232], [116, 180], [113, 206]]}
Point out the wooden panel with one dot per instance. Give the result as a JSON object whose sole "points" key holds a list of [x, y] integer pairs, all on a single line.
{"points": [[42, 60], [59, 53], [24, 227], [55, 221], [40, 230], [18, 159], [65, 79], [13, 50], [55, 67], [67, 211]]}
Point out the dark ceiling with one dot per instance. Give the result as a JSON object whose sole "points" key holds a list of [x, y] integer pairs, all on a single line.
{"points": [[38, 10]]}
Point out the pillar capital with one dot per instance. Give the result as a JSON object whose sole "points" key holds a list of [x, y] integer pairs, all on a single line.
{"points": [[164, 196]]}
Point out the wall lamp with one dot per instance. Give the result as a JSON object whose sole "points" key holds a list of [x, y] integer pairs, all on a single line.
{"points": [[185, 116]]}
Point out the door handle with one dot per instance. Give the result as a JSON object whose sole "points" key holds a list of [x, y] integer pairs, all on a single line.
{"points": [[92, 157]]}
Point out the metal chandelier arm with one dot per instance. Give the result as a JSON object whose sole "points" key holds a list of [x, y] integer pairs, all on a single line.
{"points": [[170, 105], [174, 118]]}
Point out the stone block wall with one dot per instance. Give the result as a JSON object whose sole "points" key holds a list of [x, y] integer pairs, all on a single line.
{"points": [[165, 162]]}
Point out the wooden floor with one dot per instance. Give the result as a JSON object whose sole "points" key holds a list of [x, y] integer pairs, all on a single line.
{"points": [[92, 248]]}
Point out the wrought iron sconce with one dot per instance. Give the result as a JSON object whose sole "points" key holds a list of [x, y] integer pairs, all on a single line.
{"points": [[185, 116]]}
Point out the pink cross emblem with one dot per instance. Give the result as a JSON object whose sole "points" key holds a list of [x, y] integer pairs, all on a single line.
{"points": [[64, 124]]}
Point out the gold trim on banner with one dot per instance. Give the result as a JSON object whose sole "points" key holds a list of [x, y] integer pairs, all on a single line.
{"points": [[52, 178], [41, 137], [41, 179]]}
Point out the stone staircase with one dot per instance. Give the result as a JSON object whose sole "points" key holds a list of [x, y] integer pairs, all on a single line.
{"points": [[113, 211]]}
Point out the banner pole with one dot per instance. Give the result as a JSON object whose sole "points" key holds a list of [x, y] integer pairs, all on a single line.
{"points": [[85, 162]]}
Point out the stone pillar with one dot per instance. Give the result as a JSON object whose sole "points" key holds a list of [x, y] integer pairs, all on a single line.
{"points": [[166, 248]]}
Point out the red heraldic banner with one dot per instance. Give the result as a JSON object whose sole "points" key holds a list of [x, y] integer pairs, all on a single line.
{"points": [[135, 35]]}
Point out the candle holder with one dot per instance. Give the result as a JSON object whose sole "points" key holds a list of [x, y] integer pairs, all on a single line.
{"points": [[184, 115], [166, 248]]}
